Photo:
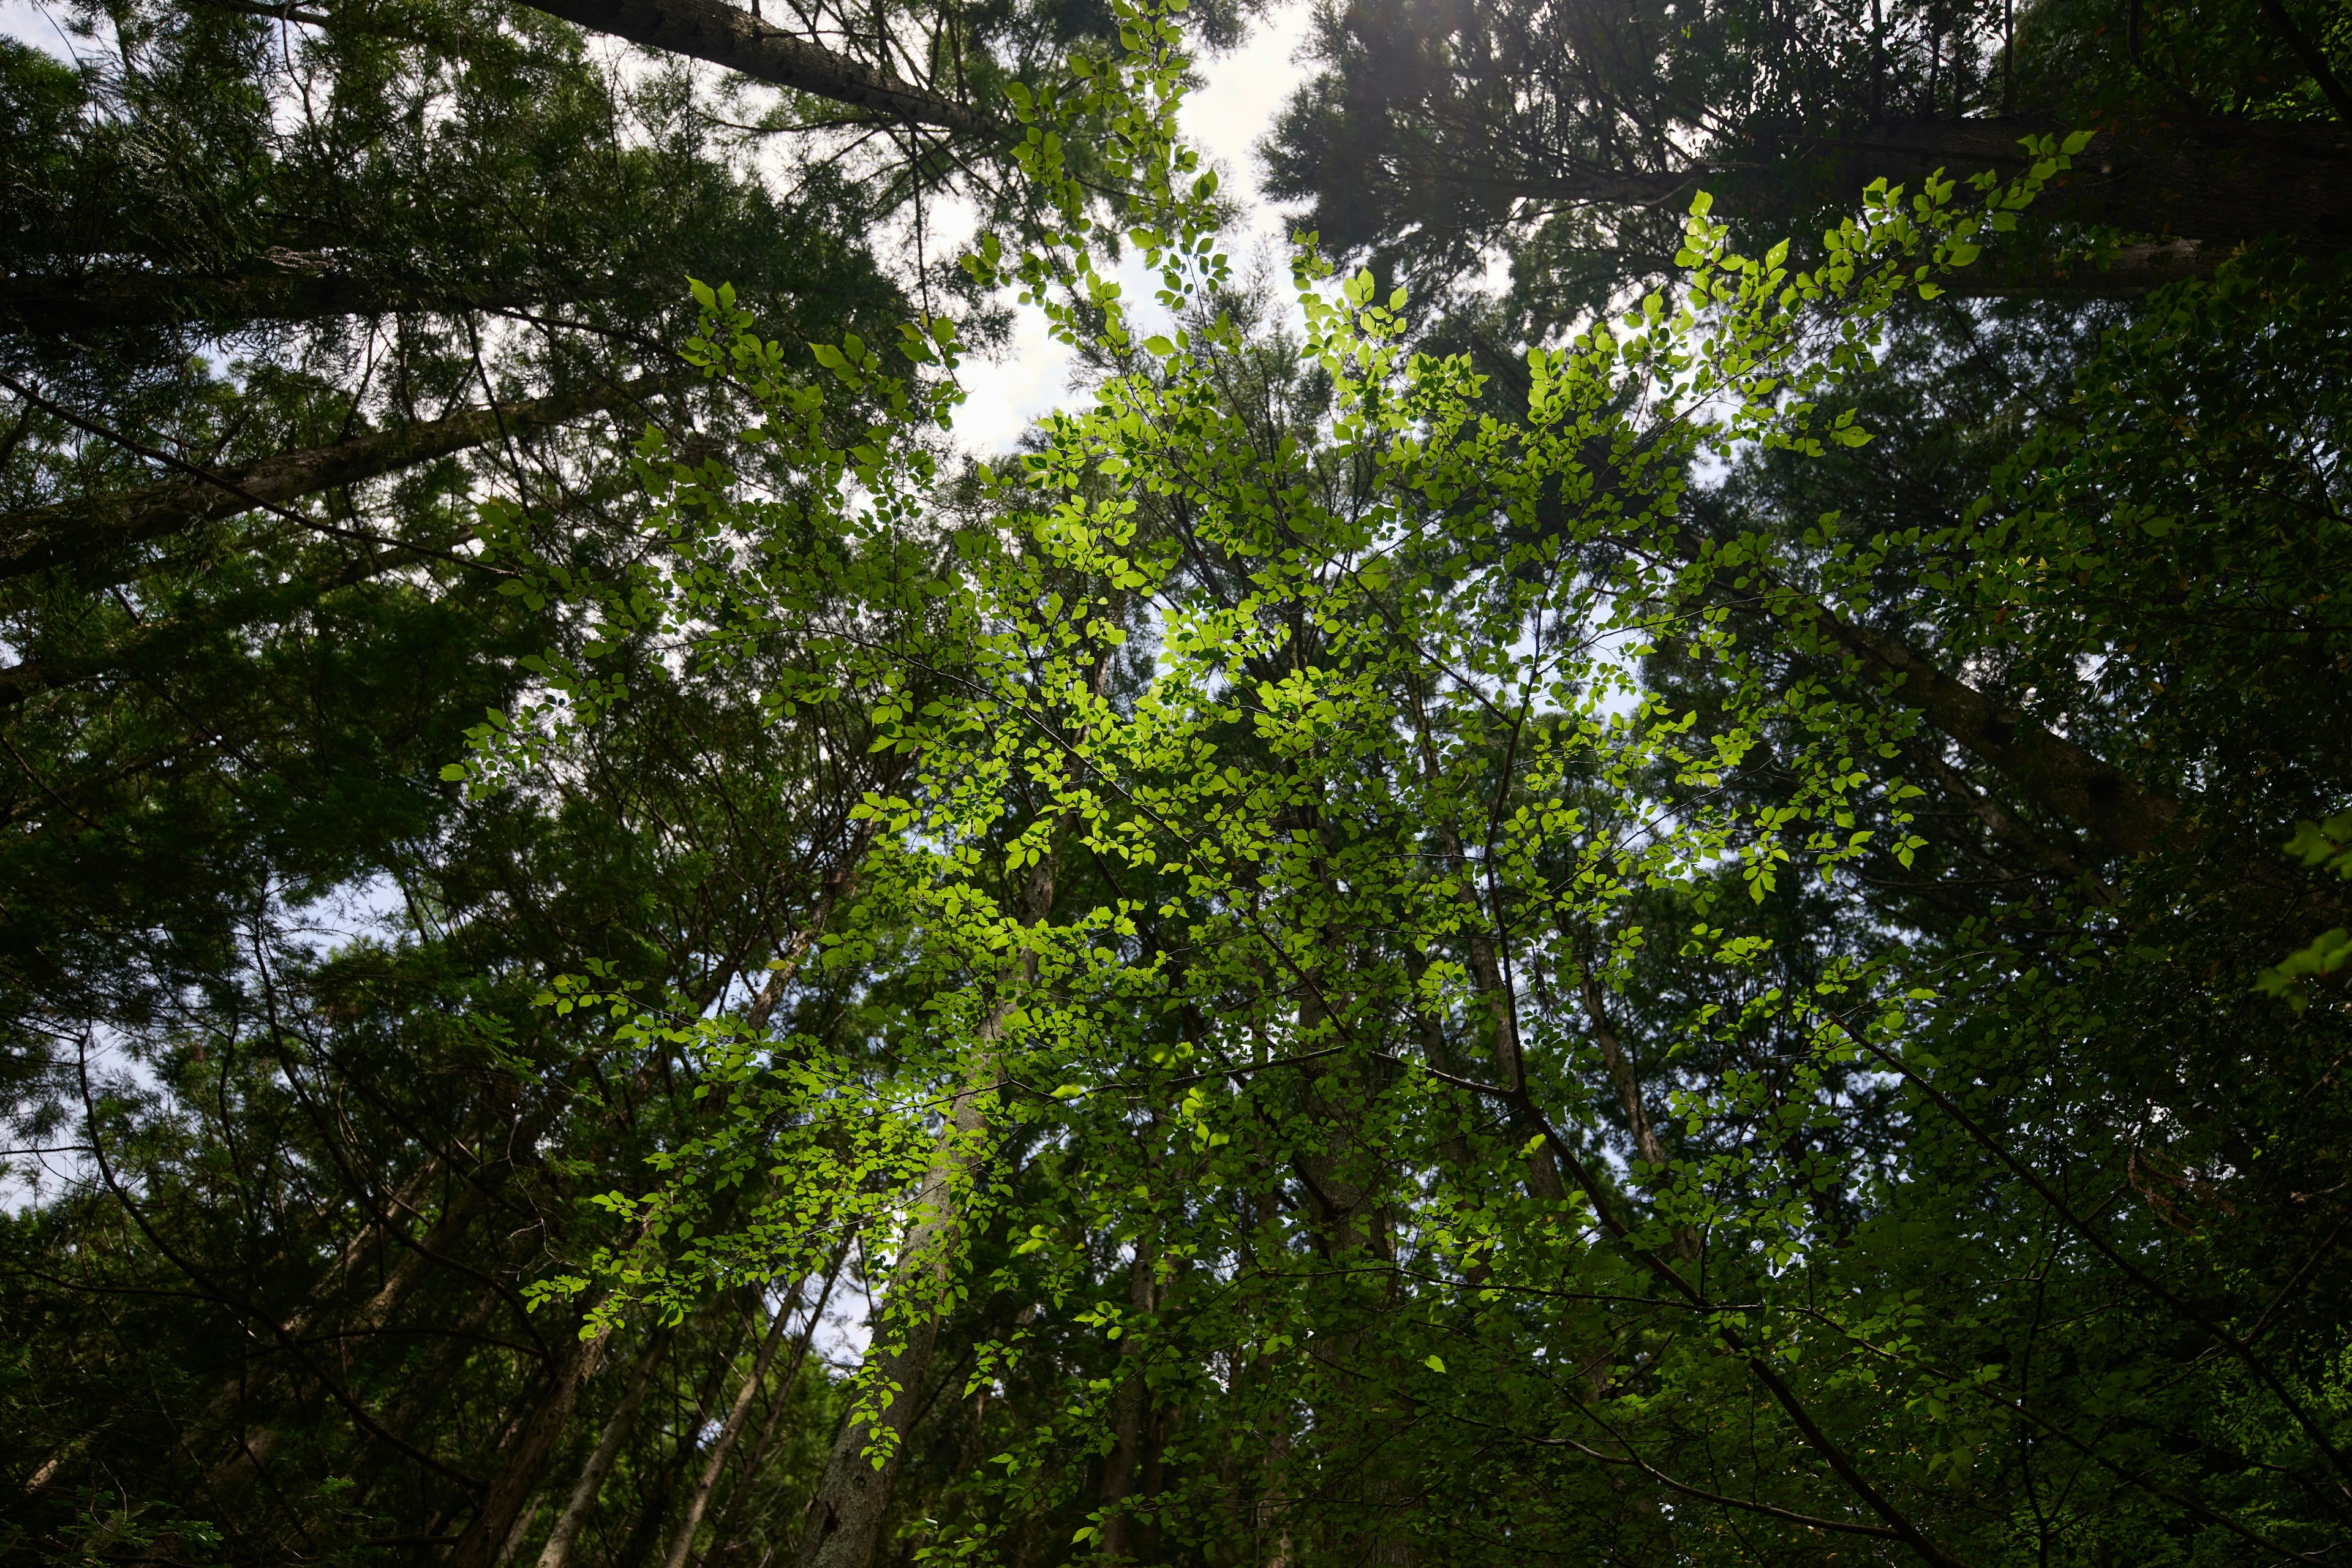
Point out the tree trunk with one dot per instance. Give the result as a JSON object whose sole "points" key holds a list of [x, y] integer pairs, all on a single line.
{"points": [[74, 530], [582, 1498], [737, 40], [2223, 182], [294, 290], [1124, 1467], [645, 1536], [844, 1518], [157, 643], [699, 1503], [518, 1478], [766, 1443], [238, 1470], [2052, 771]]}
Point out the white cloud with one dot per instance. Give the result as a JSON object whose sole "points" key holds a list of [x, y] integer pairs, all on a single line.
{"points": [[44, 28], [1224, 119]]}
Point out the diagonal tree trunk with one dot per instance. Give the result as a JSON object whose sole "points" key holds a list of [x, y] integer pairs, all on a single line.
{"points": [[844, 1518], [2221, 182], [540, 1431], [299, 291], [722, 1532], [739, 39], [2063, 778], [157, 643], [535, 1440], [254, 1446], [582, 1500], [2054, 773], [697, 1502], [69, 532]]}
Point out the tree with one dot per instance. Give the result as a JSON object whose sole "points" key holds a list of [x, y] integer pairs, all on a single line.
{"points": [[1439, 982], [1574, 136], [1643, 946]]}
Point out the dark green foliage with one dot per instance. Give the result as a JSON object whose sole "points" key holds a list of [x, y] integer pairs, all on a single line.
{"points": [[1354, 959]]}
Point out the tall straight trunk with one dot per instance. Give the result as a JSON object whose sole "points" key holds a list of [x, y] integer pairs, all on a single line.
{"points": [[1544, 1180], [699, 1502], [739, 39], [844, 1518], [581, 1500], [69, 532], [2221, 182], [645, 1536], [1628, 1084], [1124, 1468], [748, 1472]]}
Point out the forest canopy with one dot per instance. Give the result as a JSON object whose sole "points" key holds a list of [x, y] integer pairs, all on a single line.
{"points": [[1643, 856]]}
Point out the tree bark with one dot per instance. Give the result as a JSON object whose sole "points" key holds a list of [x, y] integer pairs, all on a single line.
{"points": [[2049, 770], [2223, 182], [67, 531], [565, 1532], [156, 643], [767, 1439], [518, 1478], [297, 290], [699, 1502], [245, 1462], [1124, 1465], [844, 1518], [2220, 182], [740, 40]]}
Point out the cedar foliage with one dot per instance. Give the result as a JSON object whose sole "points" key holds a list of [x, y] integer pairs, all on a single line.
{"points": [[1433, 930]]}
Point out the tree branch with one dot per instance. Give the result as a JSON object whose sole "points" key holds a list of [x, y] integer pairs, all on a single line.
{"points": [[725, 36]]}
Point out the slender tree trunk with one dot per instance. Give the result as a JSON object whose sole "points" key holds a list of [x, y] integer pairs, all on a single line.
{"points": [[521, 1531], [534, 1442], [1621, 1074], [590, 1482], [2222, 182], [699, 1503], [736, 39], [748, 1472], [254, 1446], [303, 289], [1124, 1467], [838, 884], [1628, 1084], [645, 1538], [844, 1518], [68, 531], [544, 1428]]}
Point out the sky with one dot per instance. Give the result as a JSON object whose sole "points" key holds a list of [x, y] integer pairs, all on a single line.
{"points": [[1225, 120], [1235, 107]]}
